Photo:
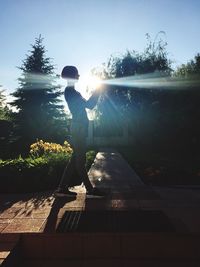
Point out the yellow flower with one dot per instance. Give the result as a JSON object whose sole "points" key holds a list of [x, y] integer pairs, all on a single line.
{"points": [[40, 148]]}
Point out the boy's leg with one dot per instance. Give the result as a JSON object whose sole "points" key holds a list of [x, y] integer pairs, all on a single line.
{"points": [[79, 135], [67, 174], [80, 161], [65, 177], [80, 165]]}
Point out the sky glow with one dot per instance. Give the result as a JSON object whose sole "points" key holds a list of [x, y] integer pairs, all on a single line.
{"points": [[85, 33]]}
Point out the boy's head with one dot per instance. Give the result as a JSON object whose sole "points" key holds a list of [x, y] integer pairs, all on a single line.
{"points": [[70, 72]]}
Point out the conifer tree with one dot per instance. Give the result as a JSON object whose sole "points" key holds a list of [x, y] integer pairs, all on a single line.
{"points": [[2, 101], [4, 110], [40, 114]]}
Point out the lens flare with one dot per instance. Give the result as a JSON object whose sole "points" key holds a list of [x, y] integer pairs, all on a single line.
{"points": [[154, 81], [88, 83], [32, 81]]}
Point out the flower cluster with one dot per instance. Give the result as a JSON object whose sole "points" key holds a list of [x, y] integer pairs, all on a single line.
{"points": [[41, 148]]}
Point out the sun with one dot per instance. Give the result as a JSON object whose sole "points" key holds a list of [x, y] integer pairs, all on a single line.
{"points": [[87, 84], [93, 81]]}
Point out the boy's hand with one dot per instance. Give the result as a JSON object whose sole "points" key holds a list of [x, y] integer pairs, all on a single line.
{"points": [[99, 90]]}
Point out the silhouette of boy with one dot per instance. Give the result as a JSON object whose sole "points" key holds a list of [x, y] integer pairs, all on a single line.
{"points": [[79, 129]]}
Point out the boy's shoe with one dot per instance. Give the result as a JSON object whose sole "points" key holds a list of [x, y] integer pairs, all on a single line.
{"points": [[64, 193], [95, 192]]}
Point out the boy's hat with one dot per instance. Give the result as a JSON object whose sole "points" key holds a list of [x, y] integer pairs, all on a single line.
{"points": [[69, 72]]}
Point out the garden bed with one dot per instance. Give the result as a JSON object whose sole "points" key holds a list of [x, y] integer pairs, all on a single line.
{"points": [[35, 174], [163, 170]]}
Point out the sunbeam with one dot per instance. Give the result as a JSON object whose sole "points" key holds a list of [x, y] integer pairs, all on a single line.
{"points": [[32, 81], [89, 83], [154, 81]]}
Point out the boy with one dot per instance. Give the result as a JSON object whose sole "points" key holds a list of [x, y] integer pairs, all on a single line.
{"points": [[79, 129]]}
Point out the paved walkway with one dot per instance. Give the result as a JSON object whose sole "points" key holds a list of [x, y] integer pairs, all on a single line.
{"points": [[41, 212]]}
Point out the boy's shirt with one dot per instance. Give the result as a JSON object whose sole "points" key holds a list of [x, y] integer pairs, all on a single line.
{"points": [[77, 104]]}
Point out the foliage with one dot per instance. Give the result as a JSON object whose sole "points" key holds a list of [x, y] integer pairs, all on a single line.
{"points": [[2, 101], [37, 100], [153, 58], [90, 156], [41, 148], [5, 125], [158, 117], [36, 173], [4, 110], [163, 169], [190, 69], [32, 174], [122, 100]]}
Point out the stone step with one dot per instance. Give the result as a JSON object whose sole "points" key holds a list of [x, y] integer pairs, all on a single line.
{"points": [[9, 250], [109, 246], [115, 221], [108, 263], [102, 249]]}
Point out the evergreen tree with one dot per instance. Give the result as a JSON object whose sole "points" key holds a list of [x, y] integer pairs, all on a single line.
{"points": [[2, 101], [4, 110], [5, 125], [40, 114]]}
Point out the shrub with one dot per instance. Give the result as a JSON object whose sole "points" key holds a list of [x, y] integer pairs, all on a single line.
{"points": [[44, 148], [41, 171], [32, 174], [90, 156]]}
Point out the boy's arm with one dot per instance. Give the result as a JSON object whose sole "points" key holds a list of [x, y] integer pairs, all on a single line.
{"points": [[92, 101]]}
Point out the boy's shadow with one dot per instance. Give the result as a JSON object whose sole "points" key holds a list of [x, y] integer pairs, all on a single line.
{"points": [[52, 219]]}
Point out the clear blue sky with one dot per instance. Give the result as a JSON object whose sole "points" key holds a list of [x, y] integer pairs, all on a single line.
{"points": [[86, 32]]}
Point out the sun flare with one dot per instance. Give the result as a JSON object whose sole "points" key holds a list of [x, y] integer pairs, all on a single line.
{"points": [[87, 84]]}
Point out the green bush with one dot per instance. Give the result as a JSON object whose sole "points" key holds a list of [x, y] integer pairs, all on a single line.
{"points": [[90, 156], [35, 173], [32, 174]]}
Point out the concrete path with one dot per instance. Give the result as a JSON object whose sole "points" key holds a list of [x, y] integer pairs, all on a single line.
{"points": [[110, 170], [41, 212]]}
